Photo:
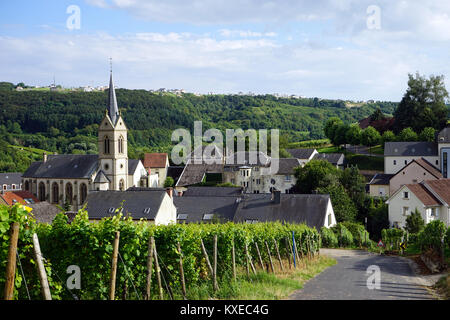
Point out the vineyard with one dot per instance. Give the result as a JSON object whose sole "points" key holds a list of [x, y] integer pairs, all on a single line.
{"points": [[143, 261]]}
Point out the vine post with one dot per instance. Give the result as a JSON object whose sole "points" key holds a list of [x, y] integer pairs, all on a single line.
{"points": [[270, 257], [215, 265], [183, 284], [45, 289], [278, 254], [259, 255], [158, 270], [233, 259], [149, 267], [11, 266], [112, 281]]}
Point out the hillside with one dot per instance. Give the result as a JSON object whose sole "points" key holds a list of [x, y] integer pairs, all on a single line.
{"points": [[67, 122]]}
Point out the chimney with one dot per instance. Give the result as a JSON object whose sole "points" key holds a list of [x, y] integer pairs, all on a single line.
{"points": [[45, 157], [276, 197], [180, 193], [170, 192]]}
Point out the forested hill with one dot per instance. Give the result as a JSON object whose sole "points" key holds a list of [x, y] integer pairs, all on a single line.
{"points": [[67, 122]]}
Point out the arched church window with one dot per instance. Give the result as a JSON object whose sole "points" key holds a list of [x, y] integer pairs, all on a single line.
{"points": [[106, 147], [120, 144], [69, 193], [121, 185], [41, 191], [55, 192], [83, 193]]}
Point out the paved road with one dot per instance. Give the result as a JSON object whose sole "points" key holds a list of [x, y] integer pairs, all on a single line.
{"points": [[347, 280]]}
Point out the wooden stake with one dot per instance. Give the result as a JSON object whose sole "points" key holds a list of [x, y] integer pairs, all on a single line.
{"points": [[112, 283], [259, 255], [278, 254], [288, 251], [247, 259], [183, 284], [149, 267], [11, 265], [45, 289], [158, 271], [205, 254], [270, 257], [233, 259], [296, 251], [215, 264]]}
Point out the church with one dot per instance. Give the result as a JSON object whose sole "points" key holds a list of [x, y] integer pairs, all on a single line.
{"points": [[67, 179]]}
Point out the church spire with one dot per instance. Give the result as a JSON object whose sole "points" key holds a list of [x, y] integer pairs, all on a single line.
{"points": [[113, 110]]}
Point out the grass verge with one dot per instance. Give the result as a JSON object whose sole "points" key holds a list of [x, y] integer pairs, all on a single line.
{"points": [[264, 285]]}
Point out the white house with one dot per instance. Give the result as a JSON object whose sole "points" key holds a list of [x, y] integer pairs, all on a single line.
{"points": [[431, 198]]}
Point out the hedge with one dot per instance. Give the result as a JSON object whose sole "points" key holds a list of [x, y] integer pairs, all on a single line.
{"points": [[329, 239], [89, 246], [344, 236]]}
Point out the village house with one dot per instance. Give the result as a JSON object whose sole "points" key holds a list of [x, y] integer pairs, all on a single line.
{"points": [[68, 179], [430, 197], [10, 198], [154, 205], [157, 164], [398, 154], [10, 181]]}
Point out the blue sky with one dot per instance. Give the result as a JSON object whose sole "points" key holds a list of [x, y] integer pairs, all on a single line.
{"points": [[313, 48]]}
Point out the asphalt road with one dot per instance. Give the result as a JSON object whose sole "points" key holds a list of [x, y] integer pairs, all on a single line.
{"points": [[347, 280]]}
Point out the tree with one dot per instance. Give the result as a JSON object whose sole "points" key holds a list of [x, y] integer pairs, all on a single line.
{"points": [[377, 115], [388, 136], [315, 174], [343, 206], [408, 134], [168, 182], [427, 134], [414, 222], [353, 134], [354, 183], [370, 137], [331, 126], [423, 104], [340, 135]]}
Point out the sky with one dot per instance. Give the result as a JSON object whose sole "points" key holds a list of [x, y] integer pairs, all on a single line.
{"points": [[336, 49]]}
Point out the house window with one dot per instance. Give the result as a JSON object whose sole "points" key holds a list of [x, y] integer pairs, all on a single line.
{"points": [[437, 162], [435, 212], [381, 191], [258, 181], [27, 185], [406, 161], [405, 211], [4, 187], [232, 181], [405, 195], [208, 216], [329, 220], [395, 162], [287, 178]]}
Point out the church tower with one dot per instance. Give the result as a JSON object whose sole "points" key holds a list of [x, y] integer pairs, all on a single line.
{"points": [[112, 144]]}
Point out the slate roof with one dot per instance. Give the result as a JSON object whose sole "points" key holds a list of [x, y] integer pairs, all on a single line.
{"points": [[333, 158], [410, 149], [113, 109], [132, 165], [194, 173], [11, 178], [44, 212], [293, 208], [101, 177], [444, 135], [64, 166], [251, 158], [287, 165], [99, 203], [304, 153], [381, 179], [155, 160], [195, 208], [213, 191]]}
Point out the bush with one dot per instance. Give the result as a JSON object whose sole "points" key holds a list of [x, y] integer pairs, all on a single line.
{"points": [[414, 222], [345, 238], [447, 237], [329, 239], [359, 233], [431, 236], [392, 238]]}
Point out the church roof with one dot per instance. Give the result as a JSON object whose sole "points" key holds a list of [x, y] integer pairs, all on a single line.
{"points": [[132, 165], [101, 177], [64, 166], [113, 109]]}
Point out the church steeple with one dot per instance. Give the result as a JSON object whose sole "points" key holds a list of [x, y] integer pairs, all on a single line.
{"points": [[113, 110]]}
